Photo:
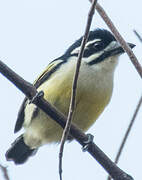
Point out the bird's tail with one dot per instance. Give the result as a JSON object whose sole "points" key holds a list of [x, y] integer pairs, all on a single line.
{"points": [[19, 152]]}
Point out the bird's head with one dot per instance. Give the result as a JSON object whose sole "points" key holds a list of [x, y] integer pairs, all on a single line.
{"points": [[101, 47]]}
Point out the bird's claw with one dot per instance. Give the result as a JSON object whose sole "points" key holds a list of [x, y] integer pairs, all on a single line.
{"points": [[36, 97], [88, 142]]}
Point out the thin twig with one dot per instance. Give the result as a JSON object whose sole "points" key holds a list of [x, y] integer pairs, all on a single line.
{"points": [[131, 122], [114, 171], [129, 129], [135, 62], [5, 172], [119, 38], [74, 86], [127, 133], [138, 36]]}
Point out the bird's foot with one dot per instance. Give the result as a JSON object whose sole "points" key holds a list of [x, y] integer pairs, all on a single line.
{"points": [[36, 97], [88, 142]]}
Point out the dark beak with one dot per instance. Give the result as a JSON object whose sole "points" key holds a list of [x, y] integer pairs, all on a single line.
{"points": [[131, 45], [116, 50]]}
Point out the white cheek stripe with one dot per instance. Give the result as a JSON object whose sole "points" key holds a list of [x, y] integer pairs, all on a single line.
{"points": [[93, 56]]}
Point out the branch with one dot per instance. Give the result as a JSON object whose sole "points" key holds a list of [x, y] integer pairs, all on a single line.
{"points": [[135, 62], [5, 172], [131, 122], [30, 91], [129, 129], [127, 133], [138, 36], [119, 38], [74, 86]]}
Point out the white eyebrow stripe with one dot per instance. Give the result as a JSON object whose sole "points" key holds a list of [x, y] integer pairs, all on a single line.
{"points": [[93, 41], [76, 50]]}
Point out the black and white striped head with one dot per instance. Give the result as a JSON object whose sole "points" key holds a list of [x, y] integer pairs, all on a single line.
{"points": [[101, 45]]}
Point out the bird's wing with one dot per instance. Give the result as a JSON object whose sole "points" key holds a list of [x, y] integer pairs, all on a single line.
{"points": [[44, 76]]}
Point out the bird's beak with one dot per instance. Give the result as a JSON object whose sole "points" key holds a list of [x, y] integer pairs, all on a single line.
{"points": [[131, 45], [116, 49]]}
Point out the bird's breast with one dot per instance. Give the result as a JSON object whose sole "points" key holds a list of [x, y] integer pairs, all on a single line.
{"points": [[93, 94]]}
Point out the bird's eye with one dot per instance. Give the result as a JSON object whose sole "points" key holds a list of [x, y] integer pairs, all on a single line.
{"points": [[98, 45]]}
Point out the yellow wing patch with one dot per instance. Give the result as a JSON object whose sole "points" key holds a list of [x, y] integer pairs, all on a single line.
{"points": [[45, 75]]}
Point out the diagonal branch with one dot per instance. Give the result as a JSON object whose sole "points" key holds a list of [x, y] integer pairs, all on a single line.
{"points": [[119, 38], [133, 59], [131, 122], [138, 36], [5, 172], [30, 91], [127, 133], [128, 130], [74, 86]]}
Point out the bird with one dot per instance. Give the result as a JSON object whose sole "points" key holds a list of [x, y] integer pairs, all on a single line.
{"points": [[94, 91]]}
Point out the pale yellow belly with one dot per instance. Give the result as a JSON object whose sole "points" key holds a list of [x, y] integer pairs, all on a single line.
{"points": [[90, 102]]}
